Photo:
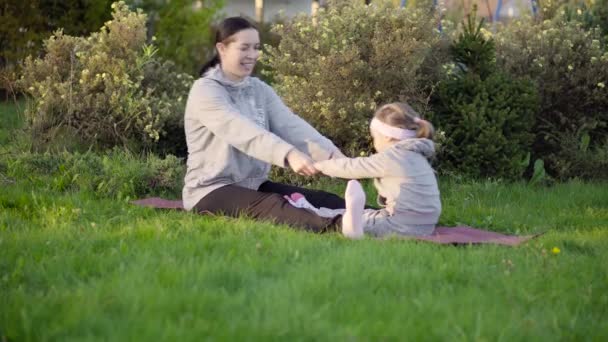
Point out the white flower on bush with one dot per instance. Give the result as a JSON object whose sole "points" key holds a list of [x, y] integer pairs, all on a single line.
{"points": [[601, 85], [485, 33], [359, 105]]}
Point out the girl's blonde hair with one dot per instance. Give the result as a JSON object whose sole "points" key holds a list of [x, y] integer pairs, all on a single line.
{"points": [[402, 115]]}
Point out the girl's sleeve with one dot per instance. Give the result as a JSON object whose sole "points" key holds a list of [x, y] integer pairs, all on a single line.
{"points": [[374, 166], [208, 104], [295, 130]]}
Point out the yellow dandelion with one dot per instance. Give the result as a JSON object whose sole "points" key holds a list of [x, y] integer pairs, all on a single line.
{"points": [[555, 250]]}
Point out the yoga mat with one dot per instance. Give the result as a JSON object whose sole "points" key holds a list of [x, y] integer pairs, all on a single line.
{"points": [[461, 235]]}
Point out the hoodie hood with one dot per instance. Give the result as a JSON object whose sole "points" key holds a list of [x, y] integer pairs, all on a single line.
{"points": [[218, 75], [425, 147]]}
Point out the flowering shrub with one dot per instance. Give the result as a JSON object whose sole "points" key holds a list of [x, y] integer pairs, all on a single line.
{"points": [[105, 90], [570, 68], [591, 14], [335, 69]]}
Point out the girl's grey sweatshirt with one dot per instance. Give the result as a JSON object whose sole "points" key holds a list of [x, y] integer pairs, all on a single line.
{"points": [[404, 179]]}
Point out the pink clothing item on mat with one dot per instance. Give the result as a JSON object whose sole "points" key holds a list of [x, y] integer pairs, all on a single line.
{"points": [[461, 235], [299, 201]]}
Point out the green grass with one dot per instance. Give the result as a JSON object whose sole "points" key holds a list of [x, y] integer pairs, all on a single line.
{"points": [[79, 265]]}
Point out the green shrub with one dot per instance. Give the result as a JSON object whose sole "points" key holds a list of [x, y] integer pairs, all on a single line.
{"points": [[270, 40], [485, 115], [335, 73], [106, 90], [182, 30], [570, 68], [25, 24], [117, 174], [591, 14], [577, 159]]}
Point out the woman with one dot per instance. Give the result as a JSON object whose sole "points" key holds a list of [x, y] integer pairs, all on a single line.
{"points": [[236, 126]]}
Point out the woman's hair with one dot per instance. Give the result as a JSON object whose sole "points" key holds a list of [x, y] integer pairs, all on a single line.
{"points": [[225, 30], [402, 115]]}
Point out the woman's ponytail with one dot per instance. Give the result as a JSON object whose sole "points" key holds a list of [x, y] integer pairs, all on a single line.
{"points": [[215, 60]]}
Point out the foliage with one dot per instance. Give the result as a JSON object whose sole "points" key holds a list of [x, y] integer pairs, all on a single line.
{"points": [[334, 71], [182, 29], [570, 68], [118, 174], [25, 24], [106, 90], [578, 159], [484, 115], [591, 13]]}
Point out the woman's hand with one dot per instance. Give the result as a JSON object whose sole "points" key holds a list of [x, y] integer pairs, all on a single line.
{"points": [[300, 163]]}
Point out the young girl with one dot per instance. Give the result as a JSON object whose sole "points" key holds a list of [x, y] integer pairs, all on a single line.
{"points": [[406, 184]]}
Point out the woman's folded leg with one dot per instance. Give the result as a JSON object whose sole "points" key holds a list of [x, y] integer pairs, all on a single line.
{"points": [[318, 198], [234, 201]]}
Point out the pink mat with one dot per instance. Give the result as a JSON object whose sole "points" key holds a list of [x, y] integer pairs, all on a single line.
{"points": [[460, 235]]}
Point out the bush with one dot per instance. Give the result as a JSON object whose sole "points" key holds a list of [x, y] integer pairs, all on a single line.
{"points": [[577, 159], [270, 40], [118, 174], [182, 29], [485, 114], [25, 24], [570, 68], [590, 14], [106, 90], [335, 73]]}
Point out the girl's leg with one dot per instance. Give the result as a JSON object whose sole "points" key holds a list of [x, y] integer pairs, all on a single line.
{"points": [[317, 198], [232, 200]]}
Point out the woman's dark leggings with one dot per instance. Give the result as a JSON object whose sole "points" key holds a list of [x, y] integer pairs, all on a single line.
{"points": [[267, 203]]}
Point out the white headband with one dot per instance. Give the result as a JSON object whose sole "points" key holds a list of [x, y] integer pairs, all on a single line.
{"points": [[392, 132]]}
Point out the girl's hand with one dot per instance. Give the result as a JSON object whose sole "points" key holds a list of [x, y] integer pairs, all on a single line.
{"points": [[300, 163]]}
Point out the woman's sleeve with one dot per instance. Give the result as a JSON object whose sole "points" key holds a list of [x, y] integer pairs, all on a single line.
{"points": [[208, 104], [374, 166], [295, 130]]}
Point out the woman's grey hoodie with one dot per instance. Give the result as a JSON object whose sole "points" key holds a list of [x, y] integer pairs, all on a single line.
{"points": [[235, 130]]}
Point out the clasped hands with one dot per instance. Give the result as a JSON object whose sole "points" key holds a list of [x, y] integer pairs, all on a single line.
{"points": [[303, 165]]}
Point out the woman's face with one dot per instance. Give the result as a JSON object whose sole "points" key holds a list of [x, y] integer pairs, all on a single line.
{"points": [[238, 57]]}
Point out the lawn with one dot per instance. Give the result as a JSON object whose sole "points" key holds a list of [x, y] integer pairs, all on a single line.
{"points": [[82, 264]]}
